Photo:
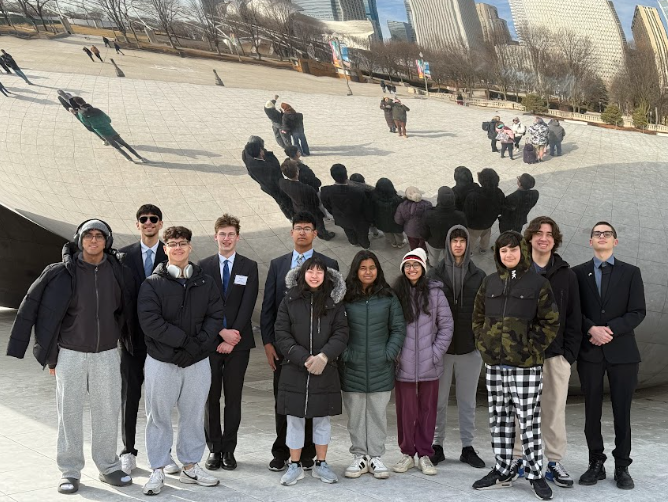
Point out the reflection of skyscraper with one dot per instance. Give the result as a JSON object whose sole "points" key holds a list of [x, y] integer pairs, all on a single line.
{"points": [[333, 10], [409, 12], [649, 33], [400, 30], [441, 23], [371, 12], [663, 5], [494, 29], [619, 23]]}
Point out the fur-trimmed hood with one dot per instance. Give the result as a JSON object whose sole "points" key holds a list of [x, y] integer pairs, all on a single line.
{"points": [[338, 292]]}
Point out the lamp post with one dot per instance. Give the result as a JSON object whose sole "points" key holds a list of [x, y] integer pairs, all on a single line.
{"points": [[424, 74], [343, 66]]}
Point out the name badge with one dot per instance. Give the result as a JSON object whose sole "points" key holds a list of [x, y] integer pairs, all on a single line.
{"points": [[241, 280]]}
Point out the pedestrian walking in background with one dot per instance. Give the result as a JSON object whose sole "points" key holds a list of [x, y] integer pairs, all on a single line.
{"points": [[306, 174], [383, 86], [482, 207], [118, 48], [4, 66], [538, 137], [72, 104], [106, 42], [490, 127], [276, 117], [519, 130], [96, 51], [385, 200], [310, 386], [461, 280], [88, 53], [518, 204], [410, 214], [463, 185], [4, 90], [293, 125], [437, 221], [460, 99], [9, 61], [515, 319], [555, 136], [386, 105], [377, 331], [429, 328], [399, 116], [505, 135]]}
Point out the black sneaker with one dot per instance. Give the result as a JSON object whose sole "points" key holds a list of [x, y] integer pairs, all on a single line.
{"points": [[438, 456], [624, 479], [277, 465], [307, 464], [541, 488], [493, 480], [594, 474], [469, 456]]}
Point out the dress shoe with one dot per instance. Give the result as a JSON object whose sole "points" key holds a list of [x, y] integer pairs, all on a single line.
{"points": [[213, 461], [623, 478], [229, 463], [594, 474]]}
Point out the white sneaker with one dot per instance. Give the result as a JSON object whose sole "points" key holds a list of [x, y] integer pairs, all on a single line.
{"points": [[404, 464], [154, 483], [197, 476], [128, 463], [359, 466], [378, 469], [172, 467], [425, 465]]}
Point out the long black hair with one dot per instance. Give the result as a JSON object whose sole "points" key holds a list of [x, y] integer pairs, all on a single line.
{"points": [[323, 292], [354, 290], [412, 298]]}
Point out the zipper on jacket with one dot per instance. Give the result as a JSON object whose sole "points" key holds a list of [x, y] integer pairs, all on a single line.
{"points": [[97, 312], [503, 316], [367, 346], [417, 355], [310, 350]]}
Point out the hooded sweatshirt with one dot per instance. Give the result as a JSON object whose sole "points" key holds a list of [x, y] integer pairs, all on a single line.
{"points": [[438, 220], [515, 317]]}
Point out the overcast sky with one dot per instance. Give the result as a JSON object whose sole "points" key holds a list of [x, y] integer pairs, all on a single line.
{"points": [[395, 10]]}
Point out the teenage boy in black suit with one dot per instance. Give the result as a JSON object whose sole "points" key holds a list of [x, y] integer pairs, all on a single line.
{"points": [[237, 279], [303, 233], [142, 258], [613, 305]]}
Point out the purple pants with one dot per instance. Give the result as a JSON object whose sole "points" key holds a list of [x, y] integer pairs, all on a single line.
{"points": [[416, 416]]}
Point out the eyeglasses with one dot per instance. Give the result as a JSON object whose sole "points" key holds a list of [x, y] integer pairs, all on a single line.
{"points": [[308, 230], [181, 244], [231, 235], [94, 237], [144, 219], [415, 266], [607, 234]]}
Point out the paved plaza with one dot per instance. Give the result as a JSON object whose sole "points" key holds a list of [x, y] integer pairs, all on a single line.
{"points": [[55, 172]]}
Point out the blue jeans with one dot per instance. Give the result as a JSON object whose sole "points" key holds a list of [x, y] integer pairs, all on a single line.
{"points": [[22, 75], [299, 140], [558, 147]]}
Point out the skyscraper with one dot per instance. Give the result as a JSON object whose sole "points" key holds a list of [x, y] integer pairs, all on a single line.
{"points": [[333, 10], [594, 19], [494, 29], [649, 33], [371, 12], [445, 23], [400, 31]]}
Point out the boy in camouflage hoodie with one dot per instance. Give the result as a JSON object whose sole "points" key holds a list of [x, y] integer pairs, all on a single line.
{"points": [[515, 318]]}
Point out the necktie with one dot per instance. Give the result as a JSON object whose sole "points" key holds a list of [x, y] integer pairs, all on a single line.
{"points": [[606, 270], [148, 263], [226, 281], [300, 260]]}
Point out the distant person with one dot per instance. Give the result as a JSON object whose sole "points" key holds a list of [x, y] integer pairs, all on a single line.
{"points": [[306, 174], [293, 124], [518, 204], [72, 104], [386, 105], [118, 48], [538, 136], [555, 136], [410, 213], [9, 61], [4, 66], [88, 53], [276, 117], [96, 51], [383, 86], [491, 131], [505, 135], [460, 99], [4, 90], [106, 42], [399, 115], [482, 207], [519, 130], [463, 185], [438, 221]]}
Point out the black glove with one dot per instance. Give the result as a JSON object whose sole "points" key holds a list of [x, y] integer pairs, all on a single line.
{"points": [[192, 347], [182, 358]]}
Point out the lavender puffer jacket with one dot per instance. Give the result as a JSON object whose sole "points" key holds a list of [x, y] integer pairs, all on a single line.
{"points": [[409, 214], [427, 340]]}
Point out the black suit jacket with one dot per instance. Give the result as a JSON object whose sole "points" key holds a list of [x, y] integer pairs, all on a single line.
{"points": [[622, 310], [239, 301], [274, 291], [135, 263]]}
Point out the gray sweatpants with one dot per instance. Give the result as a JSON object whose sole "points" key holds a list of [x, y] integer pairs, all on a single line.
{"points": [[166, 386], [99, 376], [466, 368], [367, 421]]}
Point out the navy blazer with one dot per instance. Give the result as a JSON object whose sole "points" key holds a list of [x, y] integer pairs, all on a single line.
{"points": [[240, 299], [274, 291], [622, 310]]}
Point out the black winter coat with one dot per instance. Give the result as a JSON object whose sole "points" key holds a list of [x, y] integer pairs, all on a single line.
{"points": [[48, 299], [384, 209], [299, 336], [482, 207], [516, 209], [438, 220], [266, 173], [461, 191], [304, 197], [308, 177], [172, 314], [293, 122], [348, 204], [276, 116]]}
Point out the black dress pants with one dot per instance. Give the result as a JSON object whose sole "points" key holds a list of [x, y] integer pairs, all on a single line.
{"points": [[623, 379], [132, 378], [358, 235], [279, 449], [227, 376]]}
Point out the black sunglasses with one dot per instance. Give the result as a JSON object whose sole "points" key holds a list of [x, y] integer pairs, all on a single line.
{"points": [[144, 219]]}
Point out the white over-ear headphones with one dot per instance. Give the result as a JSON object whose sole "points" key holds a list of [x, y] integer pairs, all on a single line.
{"points": [[175, 271]]}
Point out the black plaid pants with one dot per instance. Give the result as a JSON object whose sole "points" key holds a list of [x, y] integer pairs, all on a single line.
{"points": [[514, 393]]}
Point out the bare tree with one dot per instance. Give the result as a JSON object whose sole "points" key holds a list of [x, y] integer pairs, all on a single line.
{"points": [[206, 13], [536, 40], [5, 14], [248, 19], [166, 12], [27, 11]]}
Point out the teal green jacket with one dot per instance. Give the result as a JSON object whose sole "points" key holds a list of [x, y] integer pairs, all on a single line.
{"points": [[377, 331], [99, 122]]}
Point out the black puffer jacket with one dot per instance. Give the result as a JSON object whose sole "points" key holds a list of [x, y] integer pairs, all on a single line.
{"points": [[385, 201], [173, 316], [461, 191], [48, 299], [438, 220], [299, 336], [293, 122], [516, 209], [482, 207]]}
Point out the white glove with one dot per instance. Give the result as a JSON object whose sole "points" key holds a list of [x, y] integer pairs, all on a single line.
{"points": [[316, 364]]}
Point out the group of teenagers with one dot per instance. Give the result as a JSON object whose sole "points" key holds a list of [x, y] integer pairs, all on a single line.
{"points": [[107, 321]]}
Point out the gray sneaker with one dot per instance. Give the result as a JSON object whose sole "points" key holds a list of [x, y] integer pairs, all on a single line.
{"points": [[293, 474], [324, 473]]}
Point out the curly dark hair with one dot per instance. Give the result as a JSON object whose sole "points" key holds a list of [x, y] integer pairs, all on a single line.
{"points": [[413, 299], [354, 290], [534, 226], [323, 292], [177, 233]]}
